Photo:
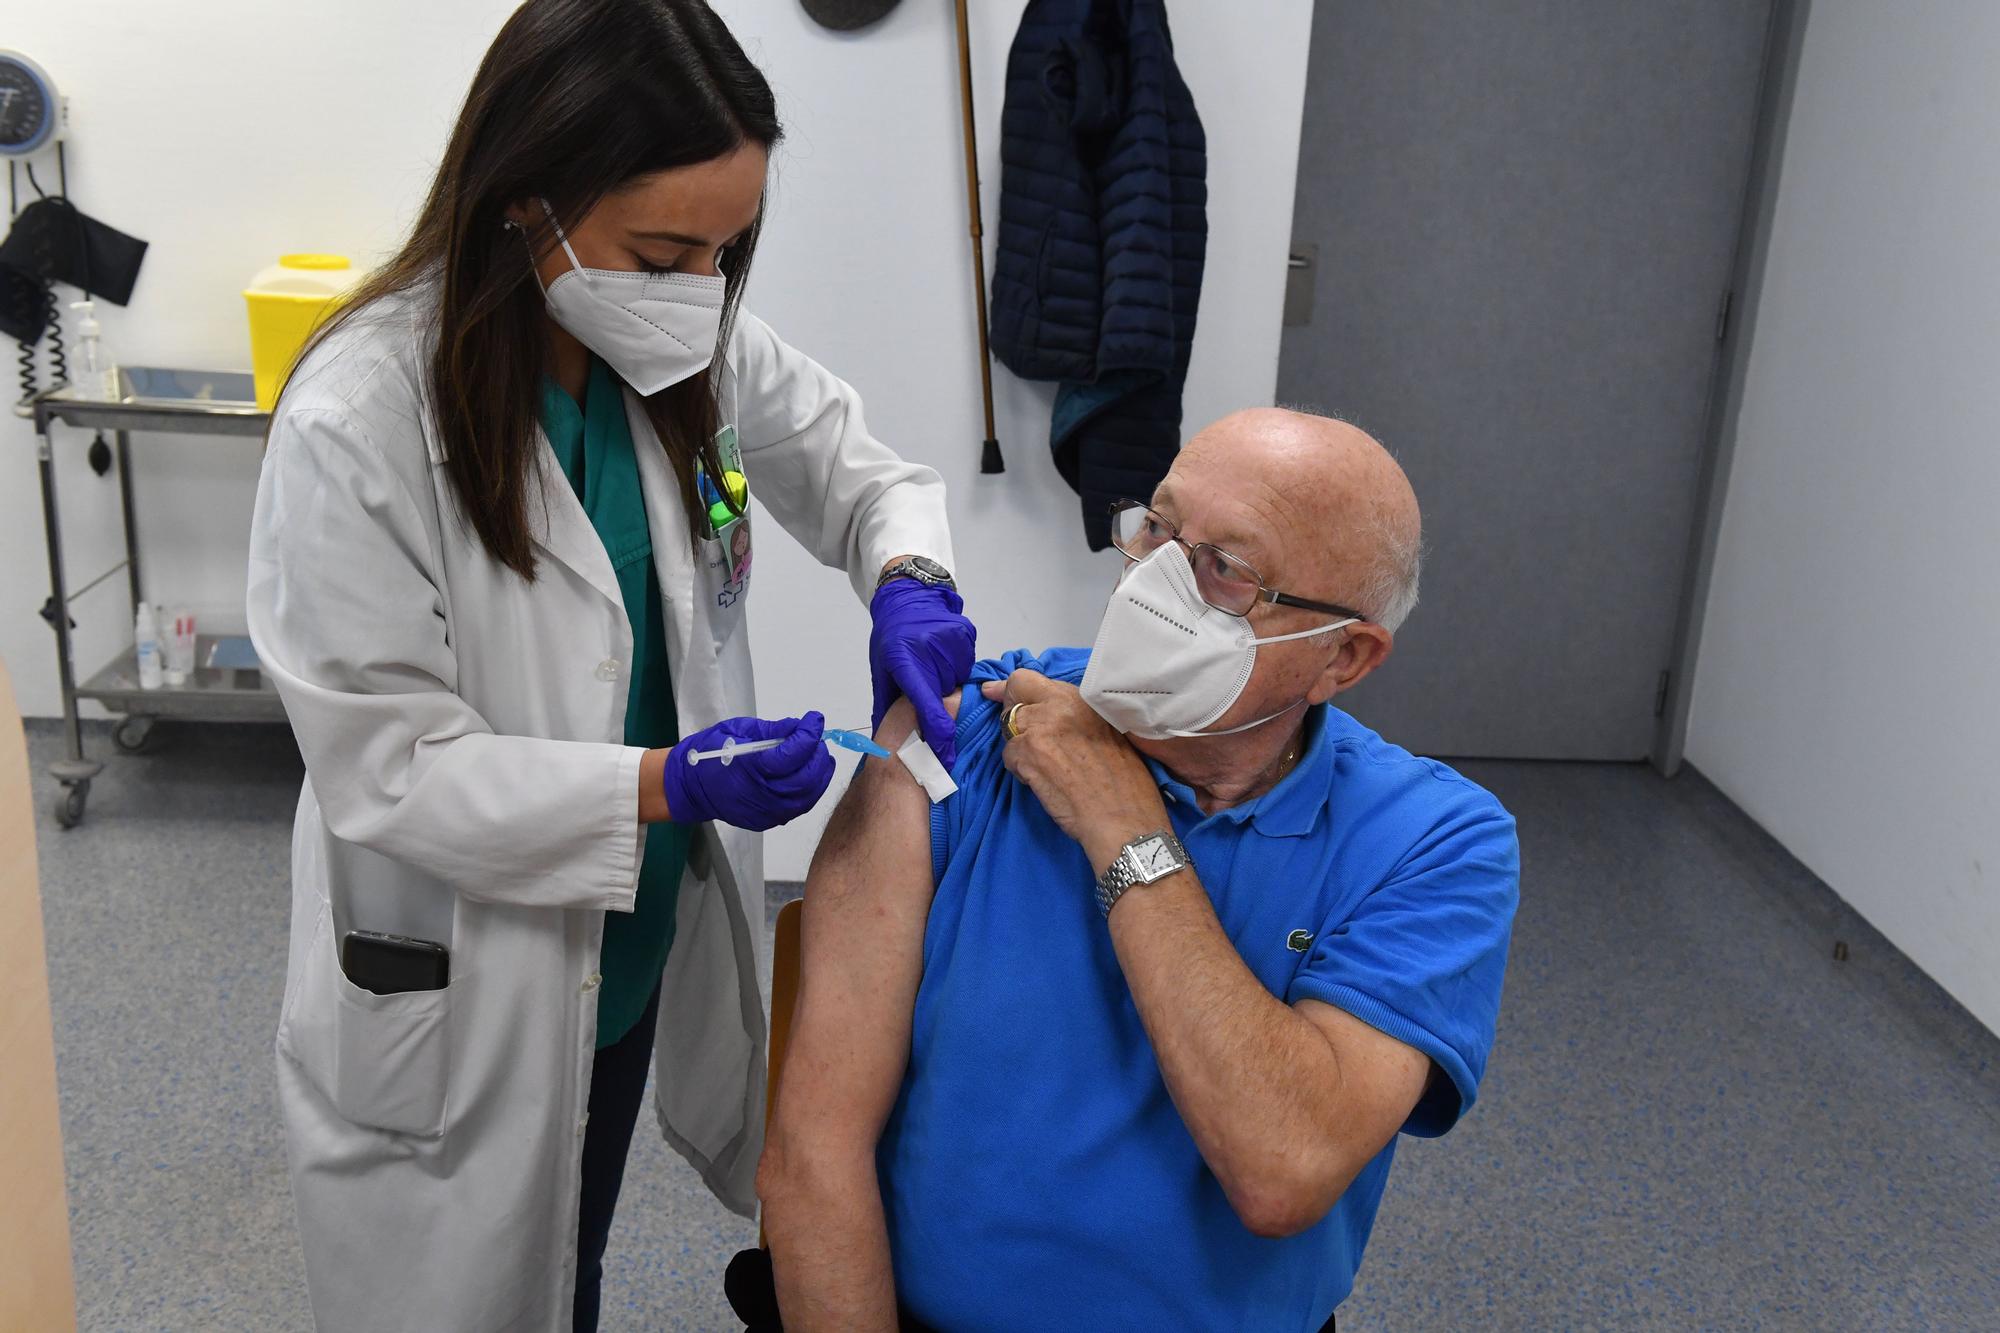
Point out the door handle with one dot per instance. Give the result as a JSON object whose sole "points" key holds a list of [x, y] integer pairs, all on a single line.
{"points": [[1300, 277]]}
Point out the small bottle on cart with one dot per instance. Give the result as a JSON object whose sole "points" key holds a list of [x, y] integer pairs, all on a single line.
{"points": [[95, 374], [178, 645], [146, 632]]}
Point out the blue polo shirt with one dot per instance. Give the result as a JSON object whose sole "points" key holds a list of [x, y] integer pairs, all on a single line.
{"points": [[1035, 1174]]}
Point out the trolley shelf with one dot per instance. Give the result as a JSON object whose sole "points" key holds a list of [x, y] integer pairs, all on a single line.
{"points": [[151, 400], [179, 402], [209, 694]]}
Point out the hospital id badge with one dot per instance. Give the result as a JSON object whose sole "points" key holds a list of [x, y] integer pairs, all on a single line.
{"points": [[725, 557], [726, 561]]}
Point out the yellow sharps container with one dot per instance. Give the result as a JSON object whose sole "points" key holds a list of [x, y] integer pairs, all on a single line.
{"points": [[287, 302]]}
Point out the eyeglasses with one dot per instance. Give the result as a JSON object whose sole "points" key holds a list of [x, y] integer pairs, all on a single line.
{"points": [[1226, 582]]}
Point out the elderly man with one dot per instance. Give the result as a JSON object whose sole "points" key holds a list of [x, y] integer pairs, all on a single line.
{"points": [[1121, 1035]]}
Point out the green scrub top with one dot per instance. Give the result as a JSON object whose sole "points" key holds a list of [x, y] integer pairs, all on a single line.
{"points": [[593, 443]]}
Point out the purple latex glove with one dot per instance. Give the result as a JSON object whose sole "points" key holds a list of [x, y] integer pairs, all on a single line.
{"points": [[753, 791], [920, 648]]}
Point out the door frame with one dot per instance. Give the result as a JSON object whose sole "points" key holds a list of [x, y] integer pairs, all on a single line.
{"points": [[1736, 326]]}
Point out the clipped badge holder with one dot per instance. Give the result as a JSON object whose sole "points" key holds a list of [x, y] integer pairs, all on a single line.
{"points": [[726, 551]]}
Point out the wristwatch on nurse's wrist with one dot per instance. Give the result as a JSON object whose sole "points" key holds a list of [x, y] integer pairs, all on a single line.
{"points": [[1143, 860], [917, 567]]}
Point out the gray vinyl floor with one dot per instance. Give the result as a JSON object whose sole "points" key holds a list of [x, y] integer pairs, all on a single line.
{"points": [[1695, 1116]]}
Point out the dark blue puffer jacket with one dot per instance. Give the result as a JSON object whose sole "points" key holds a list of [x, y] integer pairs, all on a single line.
{"points": [[1103, 225]]}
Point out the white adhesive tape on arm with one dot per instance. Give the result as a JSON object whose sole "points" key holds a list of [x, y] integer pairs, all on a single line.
{"points": [[925, 768]]}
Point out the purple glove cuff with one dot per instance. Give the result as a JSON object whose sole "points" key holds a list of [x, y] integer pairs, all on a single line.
{"points": [[683, 802], [901, 592]]}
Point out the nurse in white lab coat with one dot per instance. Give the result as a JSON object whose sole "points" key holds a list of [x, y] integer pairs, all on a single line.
{"points": [[442, 590]]}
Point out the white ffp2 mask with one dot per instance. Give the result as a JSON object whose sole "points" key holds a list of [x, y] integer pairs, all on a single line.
{"points": [[653, 329], [1166, 663]]}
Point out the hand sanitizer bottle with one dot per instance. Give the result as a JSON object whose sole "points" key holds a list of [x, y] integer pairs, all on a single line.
{"points": [[146, 631], [94, 375]]}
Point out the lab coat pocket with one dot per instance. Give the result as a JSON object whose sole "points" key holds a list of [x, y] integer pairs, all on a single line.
{"points": [[380, 1059], [391, 1056]]}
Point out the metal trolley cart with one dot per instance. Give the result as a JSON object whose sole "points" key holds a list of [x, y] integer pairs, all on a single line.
{"points": [[187, 402]]}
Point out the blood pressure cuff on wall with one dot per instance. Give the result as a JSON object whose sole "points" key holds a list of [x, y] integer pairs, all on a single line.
{"points": [[23, 313], [54, 240]]}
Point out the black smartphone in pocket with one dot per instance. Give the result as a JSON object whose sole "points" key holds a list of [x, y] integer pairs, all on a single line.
{"points": [[392, 964]]}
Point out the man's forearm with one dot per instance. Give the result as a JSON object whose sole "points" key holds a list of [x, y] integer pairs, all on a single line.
{"points": [[830, 1247], [1257, 1084]]}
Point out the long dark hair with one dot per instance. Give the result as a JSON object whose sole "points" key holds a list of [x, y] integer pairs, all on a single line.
{"points": [[574, 99]]}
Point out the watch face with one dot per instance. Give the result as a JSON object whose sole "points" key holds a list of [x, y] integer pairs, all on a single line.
{"points": [[1155, 858], [931, 569]]}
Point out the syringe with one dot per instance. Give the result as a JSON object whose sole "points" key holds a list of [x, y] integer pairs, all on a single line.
{"points": [[845, 739], [731, 747]]}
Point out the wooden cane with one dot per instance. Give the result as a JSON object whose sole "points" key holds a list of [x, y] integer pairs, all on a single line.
{"points": [[989, 457]]}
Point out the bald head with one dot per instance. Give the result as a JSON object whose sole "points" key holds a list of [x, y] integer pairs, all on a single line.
{"points": [[1316, 505]]}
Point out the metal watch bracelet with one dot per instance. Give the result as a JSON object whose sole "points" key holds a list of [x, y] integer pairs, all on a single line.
{"points": [[920, 568], [1144, 860]]}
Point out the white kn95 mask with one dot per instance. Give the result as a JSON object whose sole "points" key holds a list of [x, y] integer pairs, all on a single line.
{"points": [[1168, 664], [653, 329]]}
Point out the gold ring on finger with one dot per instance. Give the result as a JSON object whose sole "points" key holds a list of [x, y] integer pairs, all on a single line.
{"points": [[1012, 723]]}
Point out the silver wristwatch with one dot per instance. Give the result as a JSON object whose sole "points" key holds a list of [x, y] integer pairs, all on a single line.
{"points": [[920, 568], [1141, 861]]}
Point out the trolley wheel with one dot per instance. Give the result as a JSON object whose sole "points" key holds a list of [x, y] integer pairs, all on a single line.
{"points": [[69, 804], [133, 735]]}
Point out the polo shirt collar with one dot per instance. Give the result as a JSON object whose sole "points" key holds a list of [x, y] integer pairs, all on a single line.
{"points": [[1289, 810]]}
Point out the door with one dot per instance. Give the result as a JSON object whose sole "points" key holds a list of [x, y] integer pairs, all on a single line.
{"points": [[1522, 216], [36, 1287]]}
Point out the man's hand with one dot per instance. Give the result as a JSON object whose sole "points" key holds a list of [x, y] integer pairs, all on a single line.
{"points": [[1086, 775]]}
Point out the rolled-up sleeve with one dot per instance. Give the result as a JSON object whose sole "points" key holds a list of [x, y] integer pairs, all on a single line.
{"points": [[846, 496], [348, 619]]}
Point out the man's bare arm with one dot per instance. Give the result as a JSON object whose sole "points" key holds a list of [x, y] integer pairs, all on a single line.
{"points": [[867, 898], [1286, 1102]]}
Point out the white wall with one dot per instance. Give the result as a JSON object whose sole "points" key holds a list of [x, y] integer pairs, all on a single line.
{"points": [[1846, 689], [224, 133], [188, 132]]}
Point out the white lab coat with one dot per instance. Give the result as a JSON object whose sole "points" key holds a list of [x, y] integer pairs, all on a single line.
{"points": [[467, 782]]}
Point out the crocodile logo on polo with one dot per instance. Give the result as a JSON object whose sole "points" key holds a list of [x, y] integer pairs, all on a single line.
{"points": [[1299, 941]]}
